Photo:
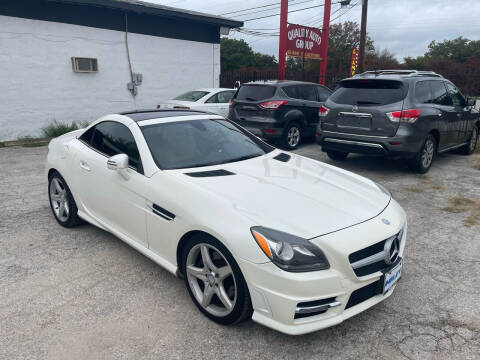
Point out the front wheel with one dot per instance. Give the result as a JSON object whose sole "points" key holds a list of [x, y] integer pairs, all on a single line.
{"points": [[292, 136], [423, 160], [61, 201], [215, 282], [469, 148]]}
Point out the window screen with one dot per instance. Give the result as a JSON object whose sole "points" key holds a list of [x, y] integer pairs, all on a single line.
{"points": [[84, 64], [255, 92]]}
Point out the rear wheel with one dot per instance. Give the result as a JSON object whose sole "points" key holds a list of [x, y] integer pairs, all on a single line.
{"points": [[469, 148], [337, 155], [61, 201], [214, 281], [292, 136], [422, 162]]}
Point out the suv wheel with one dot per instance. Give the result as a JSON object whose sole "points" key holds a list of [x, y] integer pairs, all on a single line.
{"points": [[472, 143], [422, 162], [292, 136], [337, 155]]}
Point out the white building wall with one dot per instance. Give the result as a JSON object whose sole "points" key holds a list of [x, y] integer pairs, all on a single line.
{"points": [[39, 85]]}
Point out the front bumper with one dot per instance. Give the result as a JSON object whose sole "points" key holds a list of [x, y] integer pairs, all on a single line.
{"points": [[276, 294]]}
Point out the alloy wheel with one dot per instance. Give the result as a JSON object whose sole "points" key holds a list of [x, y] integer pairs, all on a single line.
{"points": [[59, 200], [210, 278], [428, 152], [293, 136], [474, 139]]}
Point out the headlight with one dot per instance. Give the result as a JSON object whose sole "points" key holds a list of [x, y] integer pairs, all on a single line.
{"points": [[384, 189], [289, 252]]}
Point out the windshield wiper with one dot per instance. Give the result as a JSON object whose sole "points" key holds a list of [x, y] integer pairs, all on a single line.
{"points": [[367, 103], [246, 157]]}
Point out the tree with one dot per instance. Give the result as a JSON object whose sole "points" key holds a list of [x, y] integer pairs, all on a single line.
{"points": [[459, 49], [236, 54], [342, 38]]}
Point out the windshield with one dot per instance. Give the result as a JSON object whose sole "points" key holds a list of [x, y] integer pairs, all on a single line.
{"points": [[195, 143], [192, 96], [369, 92]]}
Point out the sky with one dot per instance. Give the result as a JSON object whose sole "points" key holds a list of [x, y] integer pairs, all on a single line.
{"points": [[404, 27]]}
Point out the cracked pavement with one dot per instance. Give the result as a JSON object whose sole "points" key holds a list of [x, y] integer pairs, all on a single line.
{"points": [[83, 294]]}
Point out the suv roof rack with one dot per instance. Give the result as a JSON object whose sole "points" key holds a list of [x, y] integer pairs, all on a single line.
{"points": [[410, 73]]}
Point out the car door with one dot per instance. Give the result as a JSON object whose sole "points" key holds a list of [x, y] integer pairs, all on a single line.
{"points": [[107, 196], [310, 105], [462, 113], [447, 116], [219, 102]]}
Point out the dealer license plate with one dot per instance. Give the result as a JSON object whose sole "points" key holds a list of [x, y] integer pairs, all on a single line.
{"points": [[392, 277]]}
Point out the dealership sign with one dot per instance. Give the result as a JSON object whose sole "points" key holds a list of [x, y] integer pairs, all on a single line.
{"points": [[354, 61], [304, 41]]}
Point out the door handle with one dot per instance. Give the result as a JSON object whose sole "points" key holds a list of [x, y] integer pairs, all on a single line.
{"points": [[84, 165]]}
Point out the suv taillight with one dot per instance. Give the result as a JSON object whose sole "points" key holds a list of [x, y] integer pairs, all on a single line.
{"points": [[407, 116], [323, 111], [272, 105]]}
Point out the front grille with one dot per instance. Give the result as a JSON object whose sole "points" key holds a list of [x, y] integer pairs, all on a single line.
{"points": [[365, 293], [376, 253]]}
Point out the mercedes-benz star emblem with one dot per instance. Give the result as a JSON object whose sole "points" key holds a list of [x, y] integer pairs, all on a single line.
{"points": [[385, 221], [354, 108], [391, 250]]}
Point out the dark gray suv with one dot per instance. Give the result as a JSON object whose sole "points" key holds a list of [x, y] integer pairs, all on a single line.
{"points": [[284, 111], [398, 113]]}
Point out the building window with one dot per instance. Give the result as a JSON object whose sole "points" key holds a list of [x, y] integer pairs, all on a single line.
{"points": [[84, 64]]}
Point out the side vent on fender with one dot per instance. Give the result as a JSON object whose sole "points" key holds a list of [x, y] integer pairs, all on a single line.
{"points": [[167, 215], [211, 173], [282, 157]]}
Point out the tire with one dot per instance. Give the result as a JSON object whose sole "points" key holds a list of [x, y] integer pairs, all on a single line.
{"points": [[292, 136], [337, 155], [61, 200], [469, 148], [220, 275], [423, 160]]}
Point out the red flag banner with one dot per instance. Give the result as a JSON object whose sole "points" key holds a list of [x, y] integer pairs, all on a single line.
{"points": [[304, 41], [354, 61]]}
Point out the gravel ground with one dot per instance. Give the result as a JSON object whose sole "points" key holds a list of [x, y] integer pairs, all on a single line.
{"points": [[83, 294]]}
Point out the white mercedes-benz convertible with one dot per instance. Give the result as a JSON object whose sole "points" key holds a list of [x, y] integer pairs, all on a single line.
{"points": [[293, 243]]}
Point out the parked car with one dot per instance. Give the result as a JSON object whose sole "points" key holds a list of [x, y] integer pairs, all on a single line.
{"points": [[206, 200], [285, 111], [214, 100], [398, 113]]}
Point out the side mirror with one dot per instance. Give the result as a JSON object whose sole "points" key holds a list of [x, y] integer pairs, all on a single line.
{"points": [[120, 163], [471, 102]]}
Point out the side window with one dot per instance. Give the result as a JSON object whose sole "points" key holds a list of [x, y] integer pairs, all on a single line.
{"points": [[87, 135], [112, 138], [323, 93], [439, 93], [455, 96], [422, 92], [212, 100], [225, 96], [308, 92], [292, 91]]}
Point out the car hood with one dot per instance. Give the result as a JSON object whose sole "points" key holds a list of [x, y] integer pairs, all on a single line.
{"points": [[302, 196]]}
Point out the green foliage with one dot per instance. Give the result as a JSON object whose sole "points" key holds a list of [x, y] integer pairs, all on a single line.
{"points": [[459, 49], [56, 128], [236, 54], [418, 63], [2, 144]]}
